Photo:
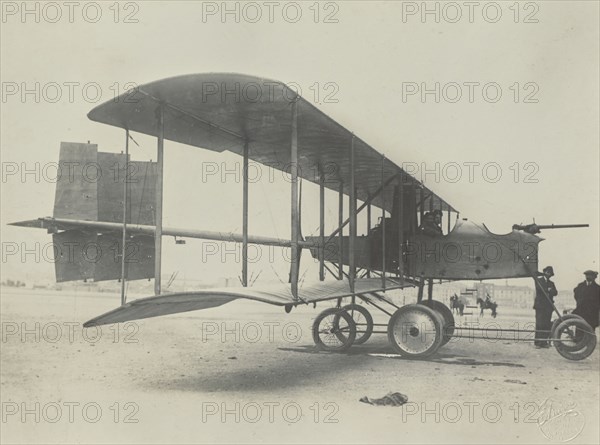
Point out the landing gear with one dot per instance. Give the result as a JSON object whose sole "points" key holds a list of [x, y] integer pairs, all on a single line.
{"points": [[363, 321], [415, 330], [558, 321], [334, 330], [574, 339], [446, 313]]}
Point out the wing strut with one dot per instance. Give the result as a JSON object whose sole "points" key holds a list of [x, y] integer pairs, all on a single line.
{"points": [[370, 199], [341, 236], [160, 112], [125, 203], [295, 218], [369, 232], [401, 230], [352, 210], [321, 224], [382, 224], [430, 280], [245, 219], [421, 202]]}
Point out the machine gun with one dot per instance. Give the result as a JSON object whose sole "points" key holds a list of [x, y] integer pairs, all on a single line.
{"points": [[537, 228]]}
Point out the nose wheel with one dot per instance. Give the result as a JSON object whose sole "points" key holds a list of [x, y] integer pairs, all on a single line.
{"points": [[574, 339], [558, 321]]}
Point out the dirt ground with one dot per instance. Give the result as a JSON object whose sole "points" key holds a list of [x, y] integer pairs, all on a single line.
{"points": [[247, 372]]}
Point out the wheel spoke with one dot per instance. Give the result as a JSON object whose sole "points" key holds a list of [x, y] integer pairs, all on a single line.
{"points": [[333, 330], [415, 330]]}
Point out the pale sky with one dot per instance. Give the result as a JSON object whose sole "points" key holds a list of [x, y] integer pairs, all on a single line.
{"points": [[544, 125]]}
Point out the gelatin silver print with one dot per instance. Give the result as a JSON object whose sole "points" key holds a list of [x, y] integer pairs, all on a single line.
{"points": [[337, 222]]}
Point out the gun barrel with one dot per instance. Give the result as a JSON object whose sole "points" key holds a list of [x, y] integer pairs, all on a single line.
{"points": [[561, 226], [537, 228]]}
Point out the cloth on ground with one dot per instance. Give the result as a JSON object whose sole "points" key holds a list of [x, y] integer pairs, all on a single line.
{"points": [[390, 399]]}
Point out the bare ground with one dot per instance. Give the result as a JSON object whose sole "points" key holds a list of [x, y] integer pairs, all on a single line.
{"points": [[248, 373]]}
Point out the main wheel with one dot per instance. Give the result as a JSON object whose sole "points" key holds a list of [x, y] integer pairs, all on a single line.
{"points": [[446, 313], [334, 330], [558, 321], [363, 321], [415, 330], [574, 339]]}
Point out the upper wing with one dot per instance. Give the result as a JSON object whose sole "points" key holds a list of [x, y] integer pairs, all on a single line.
{"points": [[279, 295], [220, 111]]}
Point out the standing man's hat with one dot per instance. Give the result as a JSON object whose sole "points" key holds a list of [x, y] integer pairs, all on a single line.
{"points": [[437, 212], [591, 272], [548, 269]]}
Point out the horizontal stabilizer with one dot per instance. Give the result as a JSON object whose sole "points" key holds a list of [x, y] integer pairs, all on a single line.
{"points": [[81, 255]]}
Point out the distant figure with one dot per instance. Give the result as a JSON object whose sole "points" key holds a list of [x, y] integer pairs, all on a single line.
{"points": [[487, 304], [587, 296], [431, 224], [545, 291], [456, 304]]}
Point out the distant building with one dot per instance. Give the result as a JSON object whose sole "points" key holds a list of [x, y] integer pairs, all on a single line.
{"points": [[441, 292], [504, 295], [565, 300], [482, 290], [516, 296]]}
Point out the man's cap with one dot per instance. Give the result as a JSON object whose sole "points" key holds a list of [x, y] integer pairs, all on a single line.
{"points": [[437, 212], [548, 269], [591, 272]]}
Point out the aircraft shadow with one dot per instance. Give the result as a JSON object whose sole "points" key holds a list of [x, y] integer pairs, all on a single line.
{"points": [[294, 371], [385, 353]]}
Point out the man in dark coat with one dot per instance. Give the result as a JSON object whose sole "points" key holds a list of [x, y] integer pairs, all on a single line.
{"points": [[587, 296], [545, 291], [431, 224]]}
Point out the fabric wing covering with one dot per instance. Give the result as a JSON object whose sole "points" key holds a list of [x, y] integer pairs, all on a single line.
{"points": [[221, 111], [279, 295]]}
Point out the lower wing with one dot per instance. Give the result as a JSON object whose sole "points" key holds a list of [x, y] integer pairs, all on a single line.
{"points": [[279, 295]]}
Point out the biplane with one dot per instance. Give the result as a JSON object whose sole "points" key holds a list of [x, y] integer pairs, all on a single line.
{"points": [[267, 122]]}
